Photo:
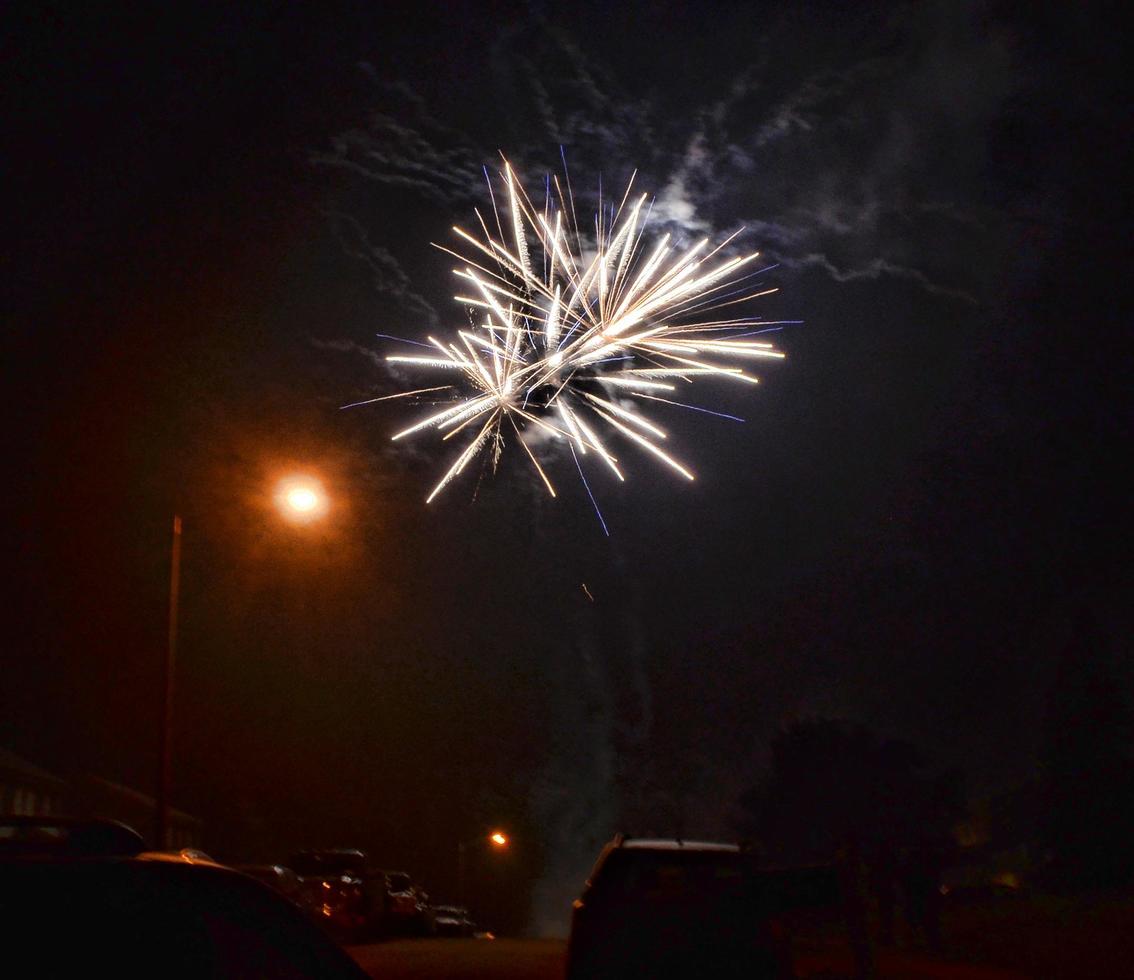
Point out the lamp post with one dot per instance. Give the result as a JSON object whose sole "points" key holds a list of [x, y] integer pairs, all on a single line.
{"points": [[300, 499], [161, 804], [498, 839]]}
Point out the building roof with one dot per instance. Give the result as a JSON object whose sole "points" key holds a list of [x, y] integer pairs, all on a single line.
{"points": [[13, 765], [133, 796]]}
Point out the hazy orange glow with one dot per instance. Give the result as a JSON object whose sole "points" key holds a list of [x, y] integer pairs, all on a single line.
{"points": [[499, 839]]}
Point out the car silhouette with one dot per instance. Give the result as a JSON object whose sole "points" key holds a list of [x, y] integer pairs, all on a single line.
{"points": [[76, 898], [672, 908]]}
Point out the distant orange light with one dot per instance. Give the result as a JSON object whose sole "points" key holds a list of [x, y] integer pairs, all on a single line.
{"points": [[499, 839]]}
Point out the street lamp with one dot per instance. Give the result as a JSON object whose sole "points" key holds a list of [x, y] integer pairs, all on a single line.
{"points": [[499, 841], [300, 499]]}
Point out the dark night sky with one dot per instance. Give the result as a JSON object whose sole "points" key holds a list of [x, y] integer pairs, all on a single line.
{"points": [[213, 210]]}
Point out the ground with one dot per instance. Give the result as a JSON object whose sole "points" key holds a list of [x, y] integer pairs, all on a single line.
{"points": [[542, 959], [1038, 937]]}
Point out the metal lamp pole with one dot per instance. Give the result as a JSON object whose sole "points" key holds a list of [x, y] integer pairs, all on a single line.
{"points": [[161, 804], [498, 840], [461, 875]]}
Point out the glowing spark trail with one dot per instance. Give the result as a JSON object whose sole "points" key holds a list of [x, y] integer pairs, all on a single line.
{"points": [[563, 338]]}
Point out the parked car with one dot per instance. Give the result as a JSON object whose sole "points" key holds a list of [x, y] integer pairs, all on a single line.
{"points": [[72, 911], [408, 911], [282, 879], [452, 921], [186, 855], [673, 908], [340, 891], [37, 837], [331, 860]]}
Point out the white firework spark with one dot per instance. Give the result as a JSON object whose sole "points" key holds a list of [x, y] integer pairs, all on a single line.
{"points": [[561, 337]]}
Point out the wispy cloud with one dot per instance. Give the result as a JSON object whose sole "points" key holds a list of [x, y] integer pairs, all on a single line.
{"points": [[387, 275], [847, 165]]}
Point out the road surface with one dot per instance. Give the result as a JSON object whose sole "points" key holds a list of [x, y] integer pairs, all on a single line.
{"points": [[462, 959], [542, 959]]}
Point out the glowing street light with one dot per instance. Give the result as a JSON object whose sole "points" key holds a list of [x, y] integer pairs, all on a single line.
{"points": [[301, 498], [499, 839]]}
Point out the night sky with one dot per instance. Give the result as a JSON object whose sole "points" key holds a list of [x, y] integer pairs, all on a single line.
{"points": [[211, 212]]}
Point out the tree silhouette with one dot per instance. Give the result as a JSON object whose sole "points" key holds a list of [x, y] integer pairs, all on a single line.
{"points": [[1088, 767], [832, 781]]}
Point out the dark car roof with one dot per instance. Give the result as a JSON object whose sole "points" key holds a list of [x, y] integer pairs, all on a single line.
{"points": [[125, 917], [701, 869], [643, 847], [674, 844], [332, 860], [332, 854], [32, 837]]}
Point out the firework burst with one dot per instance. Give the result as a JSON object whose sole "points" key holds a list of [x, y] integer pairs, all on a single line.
{"points": [[567, 334]]}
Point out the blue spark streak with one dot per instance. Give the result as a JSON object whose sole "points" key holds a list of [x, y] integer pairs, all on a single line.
{"points": [[587, 486], [753, 333], [692, 408], [402, 340]]}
